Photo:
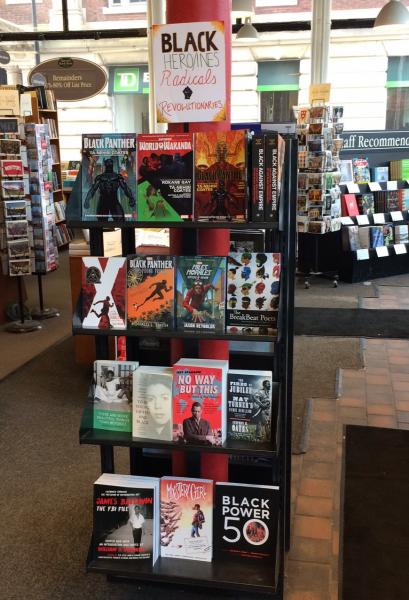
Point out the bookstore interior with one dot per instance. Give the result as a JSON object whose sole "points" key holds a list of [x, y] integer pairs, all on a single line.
{"points": [[205, 248]]}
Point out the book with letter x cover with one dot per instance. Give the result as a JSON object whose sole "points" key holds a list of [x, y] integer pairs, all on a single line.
{"points": [[103, 292]]}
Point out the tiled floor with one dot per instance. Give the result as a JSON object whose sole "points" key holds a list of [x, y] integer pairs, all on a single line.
{"points": [[389, 297], [377, 395]]}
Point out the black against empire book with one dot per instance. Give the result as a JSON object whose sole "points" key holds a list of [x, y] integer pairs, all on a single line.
{"points": [[246, 523], [249, 403], [221, 191], [274, 162], [257, 177], [150, 292], [126, 518]]}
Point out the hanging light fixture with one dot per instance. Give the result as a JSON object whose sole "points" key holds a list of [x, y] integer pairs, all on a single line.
{"points": [[247, 33], [393, 13]]}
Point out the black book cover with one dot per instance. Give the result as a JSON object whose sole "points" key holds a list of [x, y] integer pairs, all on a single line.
{"points": [[249, 402], [257, 172], [274, 162]]}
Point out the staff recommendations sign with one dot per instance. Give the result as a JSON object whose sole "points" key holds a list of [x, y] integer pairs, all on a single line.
{"points": [[190, 73]]}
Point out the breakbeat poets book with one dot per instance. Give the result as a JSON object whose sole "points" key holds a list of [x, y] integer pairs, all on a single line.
{"points": [[253, 286], [165, 177], [152, 403], [126, 518], [221, 176], [186, 518], [199, 401], [108, 177], [150, 291], [200, 293], [103, 292], [249, 403], [246, 518]]}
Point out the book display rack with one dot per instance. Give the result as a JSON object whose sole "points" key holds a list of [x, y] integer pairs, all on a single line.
{"points": [[264, 463]]}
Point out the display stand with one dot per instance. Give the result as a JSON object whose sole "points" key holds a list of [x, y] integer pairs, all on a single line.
{"points": [[24, 325], [42, 312], [268, 464]]}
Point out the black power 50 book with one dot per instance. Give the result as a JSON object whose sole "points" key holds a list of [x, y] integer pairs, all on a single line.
{"points": [[126, 518], [246, 522]]}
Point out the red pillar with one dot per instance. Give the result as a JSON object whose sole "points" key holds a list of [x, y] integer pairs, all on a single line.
{"points": [[211, 241]]}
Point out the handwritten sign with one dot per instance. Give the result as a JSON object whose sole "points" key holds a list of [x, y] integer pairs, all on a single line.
{"points": [[190, 72]]}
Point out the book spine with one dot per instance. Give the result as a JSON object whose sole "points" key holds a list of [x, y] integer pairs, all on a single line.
{"points": [[271, 176], [258, 188]]}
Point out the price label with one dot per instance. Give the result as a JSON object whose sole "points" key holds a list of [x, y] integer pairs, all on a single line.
{"points": [[347, 221], [382, 251], [379, 218], [375, 186], [362, 254], [362, 220], [353, 188], [400, 249], [391, 186], [396, 215]]}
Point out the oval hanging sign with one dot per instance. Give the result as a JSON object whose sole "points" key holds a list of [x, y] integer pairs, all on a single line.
{"points": [[70, 78], [4, 57]]}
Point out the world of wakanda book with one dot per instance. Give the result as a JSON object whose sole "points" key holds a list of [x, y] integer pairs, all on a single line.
{"points": [[150, 292], [165, 177], [253, 287], [186, 518], [221, 192], [126, 518], [103, 292], [108, 177], [200, 293]]}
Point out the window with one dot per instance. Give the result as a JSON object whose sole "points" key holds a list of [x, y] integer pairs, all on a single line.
{"points": [[397, 107], [278, 84]]}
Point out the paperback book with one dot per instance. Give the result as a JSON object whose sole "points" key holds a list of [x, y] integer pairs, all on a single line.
{"points": [[108, 177], [112, 395], [150, 292], [274, 162], [249, 403], [221, 176], [257, 177], [376, 236], [361, 170], [366, 203], [103, 292], [152, 403], [186, 518], [199, 401], [165, 177], [253, 286], [126, 518], [200, 293]]}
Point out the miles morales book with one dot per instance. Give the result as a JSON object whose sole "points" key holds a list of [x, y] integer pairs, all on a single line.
{"points": [[165, 177], [108, 177], [150, 291], [103, 292]]}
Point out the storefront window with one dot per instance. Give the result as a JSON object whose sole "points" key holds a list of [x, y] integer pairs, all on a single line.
{"points": [[108, 14], [278, 84], [397, 109]]}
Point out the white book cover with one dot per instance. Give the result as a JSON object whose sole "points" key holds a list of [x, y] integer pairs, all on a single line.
{"points": [[152, 403], [103, 292]]}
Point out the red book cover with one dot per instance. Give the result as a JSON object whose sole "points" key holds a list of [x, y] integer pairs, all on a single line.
{"points": [[349, 205], [11, 168], [103, 292]]}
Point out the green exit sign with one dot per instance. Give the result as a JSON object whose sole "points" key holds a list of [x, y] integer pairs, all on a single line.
{"points": [[131, 80]]}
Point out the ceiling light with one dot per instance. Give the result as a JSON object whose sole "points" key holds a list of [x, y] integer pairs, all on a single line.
{"points": [[247, 33], [393, 13], [242, 8]]}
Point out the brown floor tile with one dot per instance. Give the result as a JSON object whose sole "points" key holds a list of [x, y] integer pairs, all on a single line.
{"points": [[401, 386], [335, 542], [399, 369], [314, 507], [402, 416], [321, 453], [321, 404], [322, 488], [377, 372], [353, 412], [350, 401], [309, 579], [403, 425], [323, 415], [333, 591], [402, 404], [374, 342], [377, 379], [310, 550], [396, 359], [377, 389], [400, 344], [400, 377], [305, 596], [382, 421], [318, 470], [352, 374], [381, 399], [381, 409]]}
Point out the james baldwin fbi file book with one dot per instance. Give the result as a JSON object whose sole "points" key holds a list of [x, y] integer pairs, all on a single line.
{"points": [[126, 518], [186, 518], [150, 292], [103, 292]]}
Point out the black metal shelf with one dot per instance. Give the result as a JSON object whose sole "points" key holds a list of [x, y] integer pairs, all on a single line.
{"points": [[169, 224]]}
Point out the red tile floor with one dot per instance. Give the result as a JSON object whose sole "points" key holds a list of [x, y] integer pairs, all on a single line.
{"points": [[376, 395]]}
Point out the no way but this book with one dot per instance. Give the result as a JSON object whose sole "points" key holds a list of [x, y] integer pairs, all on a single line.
{"points": [[249, 404], [152, 403], [150, 292], [200, 293], [199, 401], [103, 292], [108, 177], [186, 518], [221, 192], [245, 526], [253, 287], [165, 177], [126, 518], [112, 395]]}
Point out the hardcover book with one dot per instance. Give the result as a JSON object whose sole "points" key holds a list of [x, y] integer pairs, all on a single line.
{"points": [[350, 238], [112, 395], [150, 292], [152, 403], [257, 177], [401, 234], [165, 177], [253, 286], [199, 401], [376, 236], [274, 163], [381, 173], [186, 518], [126, 518], [103, 292], [361, 170], [245, 519], [388, 234], [363, 236], [200, 293], [108, 177], [349, 205], [221, 176], [366, 203], [249, 402]]}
